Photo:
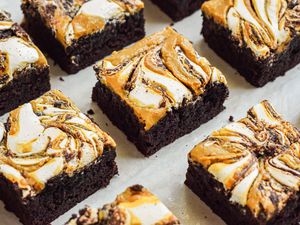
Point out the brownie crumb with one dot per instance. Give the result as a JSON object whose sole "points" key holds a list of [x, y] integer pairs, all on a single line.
{"points": [[231, 119], [58, 104], [136, 188], [171, 24], [91, 112], [106, 124], [61, 79]]}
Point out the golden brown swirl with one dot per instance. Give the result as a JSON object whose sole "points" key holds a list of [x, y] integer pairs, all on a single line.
{"points": [[256, 159], [134, 206], [293, 18], [47, 137], [71, 20], [265, 26], [158, 73]]}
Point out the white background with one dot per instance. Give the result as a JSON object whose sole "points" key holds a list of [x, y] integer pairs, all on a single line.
{"points": [[164, 173]]}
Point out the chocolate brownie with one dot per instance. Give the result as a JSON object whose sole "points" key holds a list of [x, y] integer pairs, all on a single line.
{"points": [[77, 33], [52, 156], [178, 9], [248, 171], [134, 206], [24, 71], [159, 90], [262, 37]]}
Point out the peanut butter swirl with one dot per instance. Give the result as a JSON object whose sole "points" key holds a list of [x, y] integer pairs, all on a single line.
{"points": [[17, 52], [257, 159], [46, 138], [158, 73], [264, 26], [73, 19], [135, 206]]}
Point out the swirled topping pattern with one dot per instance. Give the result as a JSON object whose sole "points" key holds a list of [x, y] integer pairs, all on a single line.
{"points": [[256, 159], [73, 19], [158, 73], [264, 26], [45, 138], [134, 206], [16, 50]]}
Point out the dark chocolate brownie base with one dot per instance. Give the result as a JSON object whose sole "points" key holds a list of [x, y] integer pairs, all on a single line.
{"points": [[214, 195], [87, 50], [176, 124], [178, 9], [60, 194], [27, 85], [256, 72]]}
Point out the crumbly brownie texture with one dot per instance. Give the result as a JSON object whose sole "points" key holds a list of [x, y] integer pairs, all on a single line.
{"points": [[24, 72], [158, 90], [262, 37], [178, 9], [248, 172], [134, 206], [51, 157], [77, 33]]}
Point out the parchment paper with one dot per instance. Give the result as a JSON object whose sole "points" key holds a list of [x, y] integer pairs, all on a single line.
{"points": [[164, 173]]}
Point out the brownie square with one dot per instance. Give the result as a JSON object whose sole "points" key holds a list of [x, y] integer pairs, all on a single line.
{"points": [[158, 90], [262, 38], [248, 171], [136, 205], [52, 156], [78, 33], [24, 71], [178, 9]]}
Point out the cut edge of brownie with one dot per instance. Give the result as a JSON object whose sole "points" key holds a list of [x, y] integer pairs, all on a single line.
{"points": [[61, 193], [174, 125], [85, 51], [256, 72], [26, 85], [178, 10], [213, 194]]}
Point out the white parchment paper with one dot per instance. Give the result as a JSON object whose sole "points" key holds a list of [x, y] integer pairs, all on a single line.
{"points": [[164, 173]]}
